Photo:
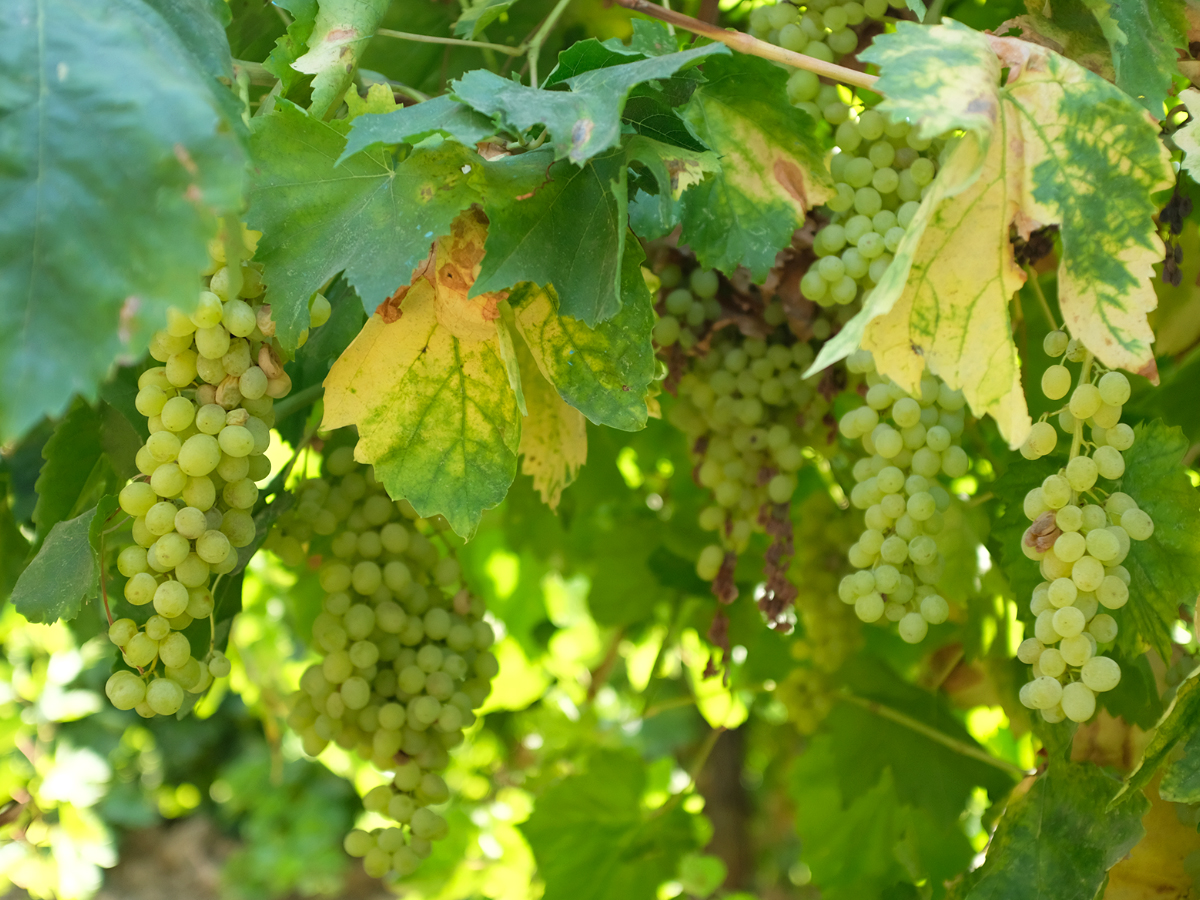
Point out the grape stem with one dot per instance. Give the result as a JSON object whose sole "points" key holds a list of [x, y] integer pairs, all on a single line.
{"points": [[693, 773], [452, 42], [1041, 296], [752, 46], [539, 37], [892, 715], [1077, 438]]}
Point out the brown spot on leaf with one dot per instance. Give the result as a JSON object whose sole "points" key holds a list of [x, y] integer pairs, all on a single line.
{"points": [[581, 133], [791, 178], [1150, 371], [185, 159]]}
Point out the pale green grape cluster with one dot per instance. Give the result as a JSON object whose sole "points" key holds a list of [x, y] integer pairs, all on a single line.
{"points": [[209, 411], [823, 29], [405, 654], [829, 632], [911, 442], [881, 168], [1081, 534]]}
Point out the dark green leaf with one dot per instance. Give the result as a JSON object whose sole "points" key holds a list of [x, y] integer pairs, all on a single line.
{"points": [[62, 575], [409, 124], [103, 233], [650, 38], [593, 841], [773, 168], [70, 456], [579, 214], [120, 441], [587, 56], [370, 216], [652, 114], [1165, 569], [339, 36], [13, 546], [584, 121], [1058, 840], [101, 520]]}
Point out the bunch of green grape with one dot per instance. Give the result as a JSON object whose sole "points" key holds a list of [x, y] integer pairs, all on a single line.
{"points": [[881, 168], [405, 654], [1080, 536], [829, 632], [209, 410], [747, 411], [910, 443]]}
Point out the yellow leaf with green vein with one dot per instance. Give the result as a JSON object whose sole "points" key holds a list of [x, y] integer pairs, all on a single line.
{"points": [[428, 389], [1066, 149], [553, 436]]}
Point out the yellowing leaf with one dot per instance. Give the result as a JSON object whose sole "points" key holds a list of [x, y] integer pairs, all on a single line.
{"points": [[1158, 866], [429, 391], [1064, 148], [553, 436]]}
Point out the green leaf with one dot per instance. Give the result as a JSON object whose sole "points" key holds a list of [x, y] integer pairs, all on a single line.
{"points": [[292, 44], [584, 121], [339, 36], [200, 25], [103, 233], [1187, 138], [62, 575], [410, 124], [104, 510], [1181, 774], [603, 372], [649, 38], [943, 302], [14, 549], [429, 392], [370, 216], [593, 841], [772, 166], [578, 215], [1058, 840], [480, 15], [70, 456], [1143, 35], [587, 56], [701, 874], [675, 169], [1164, 570], [1173, 740]]}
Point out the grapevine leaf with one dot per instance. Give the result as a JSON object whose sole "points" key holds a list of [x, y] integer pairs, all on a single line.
{"points": [[1176, 729], [1187, 138], [553, 434], [649, 38], [98, 237], [1159, 865], [1164, 570], [339, 36], [1144, 36], [584, 121], [200, 25], [570, 233], [943, 303], [480, 15], [370, 216], [429, 390], [70, 456], [409, 124], [1058, 840], [14, 548], [593, 841], [587, 56], [772, 166], [675, 169], [1181, 775], [101, 514], [292, 44], [61, 576], [605, 371]]}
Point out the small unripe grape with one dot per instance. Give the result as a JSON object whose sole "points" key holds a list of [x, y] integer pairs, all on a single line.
{"points": [[170, 599], [168, 480], [869, 607], [1076, 650], [1137, 524], [934, 609], [1087, 573], [1056, 381], [1068, 621], [1119, 437], [1103, 628], [125, 690], [1085, 401], [1056, 491], [1044, 692], [140, 650], [1055, 345], [1114, 388]]}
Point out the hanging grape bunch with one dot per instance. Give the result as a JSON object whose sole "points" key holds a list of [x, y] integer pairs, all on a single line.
{"points": [[910, 443], [405, 654], [747, 411], [209, 410], [1080, 536], [829, 632]]}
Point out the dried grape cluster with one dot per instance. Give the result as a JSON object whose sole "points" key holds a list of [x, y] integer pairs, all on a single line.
{"points": [[405, 653], [910, 443], [1080, 536], [209, 410]]}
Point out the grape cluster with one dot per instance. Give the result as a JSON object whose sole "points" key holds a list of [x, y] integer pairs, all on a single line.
{"points": [[829, 630], [405, 653], [1080, 535], [209, 408], [747, 411], [881, 168], [910, 442]]}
